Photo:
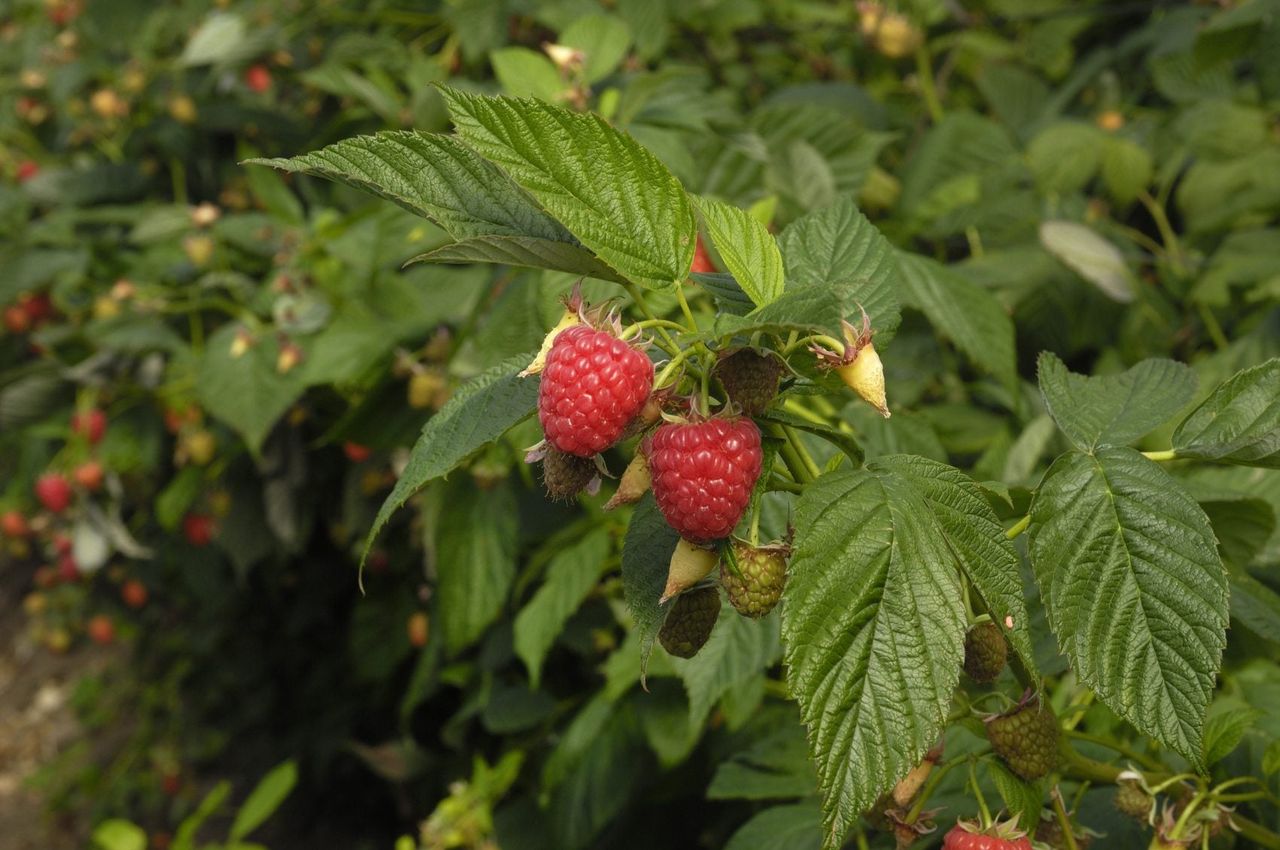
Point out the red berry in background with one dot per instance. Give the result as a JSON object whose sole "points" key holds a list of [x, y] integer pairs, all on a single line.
{"points": [[171, 783], [968, 836], [89, 475], [45, 577], [62, 544], [39, 306], [134, 593], [91, 424], [198, 529], [701, 259], [593, 385], [16, 320], [355, 452], [703, 474], [100, 629], [14, 525], [26, 169], [68, 569], [54, 492], [257, 78]]}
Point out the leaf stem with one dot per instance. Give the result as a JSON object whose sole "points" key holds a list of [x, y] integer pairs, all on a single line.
{"points": [[977, 793], [1211, 326], [637, 327], [1167, 454], [638, 298], [790, 456], [665, 374], [1018, 527]]}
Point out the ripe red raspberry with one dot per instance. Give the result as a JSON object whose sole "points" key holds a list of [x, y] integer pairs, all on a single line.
{"points": [[14, 525], [702, 259], [198, 529], [91, 424], [257, 78], [54, 492], [703, 474], [592, 386], [969, 836]]}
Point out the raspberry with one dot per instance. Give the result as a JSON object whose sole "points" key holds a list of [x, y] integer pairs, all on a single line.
{"points": [[13, 524], [592, 386], [198, 529], [1132, 800], [703, 474], [985, 652], [1026, 739], [54, 492], [762, 572], [91, 424], [750, 379], [565, 475], [966, 835], [702, 259], [690, 621]]}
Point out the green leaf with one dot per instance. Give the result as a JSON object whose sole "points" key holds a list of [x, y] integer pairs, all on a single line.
{"points": [[246, 392], [1064, 156], [481, 411], [1224, 730], [1021, 799], [1091, 256], [976, 540], [526, 73], [570, 577], [1114, 526], [1254, 604], [1239, 423], [185, 837], [839, 248], [747, 248], [475, 559], [873, 627], [963, 312], [803, 308], [794, 827], [1114, 409], [434, 176], [119, 834], [738, 649], [603, 40], [525, 251], [611, 193], [270, 792], [646, 557], [771, 768], [1126, 169]]}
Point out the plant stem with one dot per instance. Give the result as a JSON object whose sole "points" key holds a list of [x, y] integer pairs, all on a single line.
{"points": [[684, 308], [680, 357], [1167, 454], [638, 298], [1211, 325], [794, 438], [1018, 527], [931, 785], [1171, 244], [1127, 752], [977, 793], [1064, 820], [924, 73], [779, 483], [790, 457]]}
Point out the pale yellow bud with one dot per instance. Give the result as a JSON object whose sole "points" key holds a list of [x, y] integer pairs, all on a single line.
{"points": [[690, 564]]}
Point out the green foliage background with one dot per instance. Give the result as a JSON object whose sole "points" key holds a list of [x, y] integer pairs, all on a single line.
{"points": [[1031, 194]]}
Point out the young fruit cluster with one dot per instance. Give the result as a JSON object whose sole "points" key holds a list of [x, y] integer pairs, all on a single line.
{"points": [[1026, 739], [985, 653]]}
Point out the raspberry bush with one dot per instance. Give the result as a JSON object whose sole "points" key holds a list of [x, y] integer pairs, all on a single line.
{"points": [[716, 425]]}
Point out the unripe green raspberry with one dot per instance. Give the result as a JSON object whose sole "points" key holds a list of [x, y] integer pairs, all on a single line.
{"points": [[985, 652], [690, 621], [1132, 800], [750, 379], [762, 571], [1026, 739]]}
